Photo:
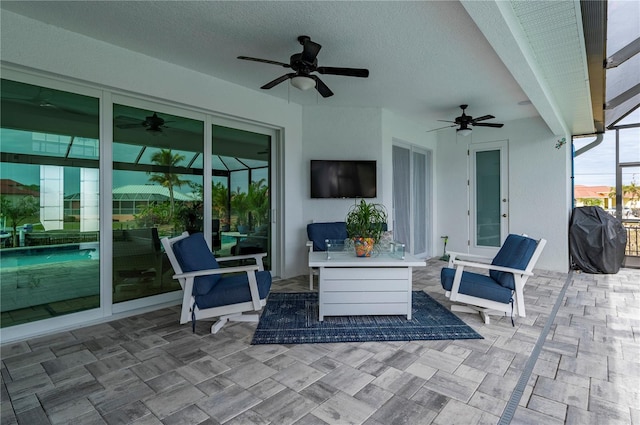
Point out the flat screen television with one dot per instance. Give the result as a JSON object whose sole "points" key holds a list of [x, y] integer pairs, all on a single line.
{"points": [[343, 179]]}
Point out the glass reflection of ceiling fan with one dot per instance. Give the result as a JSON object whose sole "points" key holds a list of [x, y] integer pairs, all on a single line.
{"points": [[49, 99], [152, 123]]}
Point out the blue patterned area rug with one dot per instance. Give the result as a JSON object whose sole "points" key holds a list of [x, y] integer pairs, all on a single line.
{"points": [[292, 318]]}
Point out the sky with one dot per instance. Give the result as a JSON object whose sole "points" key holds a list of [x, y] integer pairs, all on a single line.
{"points": [[597, 167]]}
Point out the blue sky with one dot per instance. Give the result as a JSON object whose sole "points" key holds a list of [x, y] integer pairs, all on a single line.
{"points": [[598, 166]]}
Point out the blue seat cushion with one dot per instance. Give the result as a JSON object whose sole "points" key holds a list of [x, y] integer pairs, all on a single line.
{"points": [[193, 254], [476, 285], [233, 290], [319, 232], [516, 252]]}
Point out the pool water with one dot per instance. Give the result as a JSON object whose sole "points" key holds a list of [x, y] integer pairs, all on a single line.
{"points": [[228, 239], [47, 255]]}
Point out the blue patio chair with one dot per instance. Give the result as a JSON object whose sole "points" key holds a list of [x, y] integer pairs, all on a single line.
{"points": [[501, 290], [318, 233], [207, 292]]}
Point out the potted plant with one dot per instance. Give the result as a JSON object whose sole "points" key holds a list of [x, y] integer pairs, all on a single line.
{"points": [[365, 225]]}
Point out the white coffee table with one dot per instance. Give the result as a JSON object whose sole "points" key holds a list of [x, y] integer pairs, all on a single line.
{"points": [[353, 286]]}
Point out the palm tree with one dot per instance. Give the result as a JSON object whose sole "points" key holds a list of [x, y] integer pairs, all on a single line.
{"points": [[23, 208], [258, 200], [167, 160], [239, 206], [632, 190], [219, 200]]}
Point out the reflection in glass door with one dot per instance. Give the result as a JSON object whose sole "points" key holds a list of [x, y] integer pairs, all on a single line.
{"points": [[49, 221], [241, 200], [157, 192]]}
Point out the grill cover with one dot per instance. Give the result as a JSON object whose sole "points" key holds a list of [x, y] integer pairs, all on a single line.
{"points": [[597, 240]]}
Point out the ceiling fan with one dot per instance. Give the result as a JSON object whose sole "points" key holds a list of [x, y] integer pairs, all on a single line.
{"points": [[152, 123], [42, 98], [304, 64], [465, 122], [46, 98]]}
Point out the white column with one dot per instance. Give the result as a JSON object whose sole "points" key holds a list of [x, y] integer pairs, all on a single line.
{"points": [[51, 197], [89, 199]]}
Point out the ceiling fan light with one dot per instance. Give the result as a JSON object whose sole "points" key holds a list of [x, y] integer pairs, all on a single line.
{"points": [[464, 131], [303, 83]]}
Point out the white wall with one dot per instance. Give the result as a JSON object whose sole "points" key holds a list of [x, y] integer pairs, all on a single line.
{"points": [[539, 187], [338, 133]]}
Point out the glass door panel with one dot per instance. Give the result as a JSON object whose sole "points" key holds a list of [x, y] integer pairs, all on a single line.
{"points": [[241, 201], [489, 197], [157, 192], [402, 195], [49, 200], [419, 203], [411, 218]]}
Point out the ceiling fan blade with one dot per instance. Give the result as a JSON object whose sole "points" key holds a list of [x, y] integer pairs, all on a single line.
{"points": [[310, 50], [349, 72], [247, 58], [278, 80], [482, 118], [436, 129], [322, 87], [487, 124], [447, 121], [126, 126]]}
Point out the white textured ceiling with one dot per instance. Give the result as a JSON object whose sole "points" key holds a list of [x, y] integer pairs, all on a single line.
{"points": [[425, 58]]}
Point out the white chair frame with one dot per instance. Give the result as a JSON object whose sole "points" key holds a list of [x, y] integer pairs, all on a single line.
{"points": [[226, 313], [312, 270], [482, 305]]}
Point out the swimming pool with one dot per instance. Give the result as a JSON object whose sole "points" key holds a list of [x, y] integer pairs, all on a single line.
{"points": [[228, 239], [31, 256]]}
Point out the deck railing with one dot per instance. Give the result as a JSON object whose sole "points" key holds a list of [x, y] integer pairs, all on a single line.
{"points": [[632, 226]]}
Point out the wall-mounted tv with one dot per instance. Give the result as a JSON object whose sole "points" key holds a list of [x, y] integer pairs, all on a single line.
{"points": [[343, 179]]}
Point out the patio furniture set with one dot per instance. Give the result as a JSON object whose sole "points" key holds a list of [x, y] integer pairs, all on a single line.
{"points": [[348, 285]]}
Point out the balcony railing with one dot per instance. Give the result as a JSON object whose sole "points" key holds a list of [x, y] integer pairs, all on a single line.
{"points": [[632, 226]]}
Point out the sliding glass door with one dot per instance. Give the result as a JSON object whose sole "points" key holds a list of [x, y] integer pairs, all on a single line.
{"points": [[411, 197], [49, 200], [157, 192], [241, 192], [81, 218]]}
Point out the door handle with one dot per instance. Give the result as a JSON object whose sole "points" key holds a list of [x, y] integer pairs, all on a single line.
{"points": [[504, 215]]}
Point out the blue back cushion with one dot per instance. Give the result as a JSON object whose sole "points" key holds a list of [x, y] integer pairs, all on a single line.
{"points": [[515, 253], [193, 254], [318, 232]]}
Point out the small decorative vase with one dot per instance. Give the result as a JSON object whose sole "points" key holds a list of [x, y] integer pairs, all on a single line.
{"points": [[364, 246]]}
